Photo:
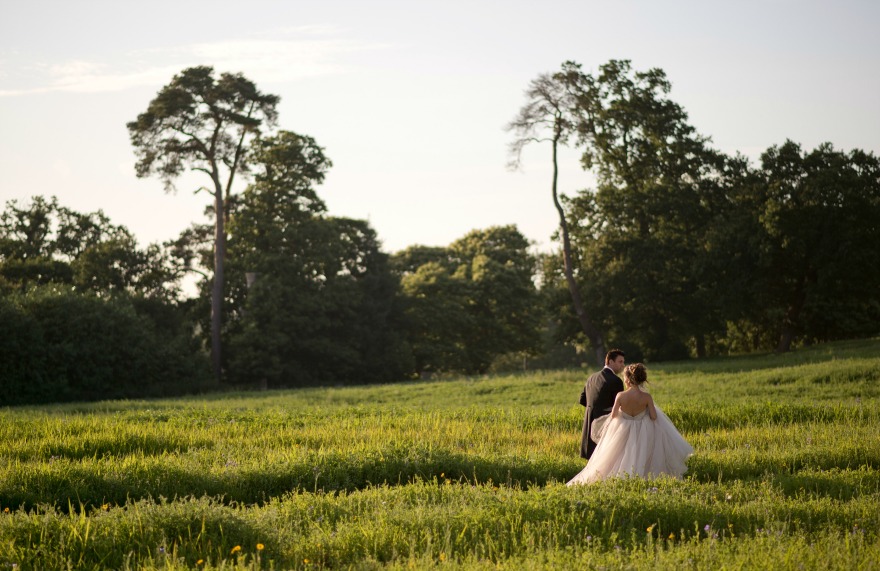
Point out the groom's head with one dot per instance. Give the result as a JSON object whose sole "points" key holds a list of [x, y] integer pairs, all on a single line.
{"points": [[614, 360]]}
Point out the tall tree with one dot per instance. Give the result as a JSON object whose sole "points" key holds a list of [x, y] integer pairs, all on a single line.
{"points": [[548, 116], [324, 307], [503, 303], [205, 124], [643, 229], [818, 213], [472, 303]]}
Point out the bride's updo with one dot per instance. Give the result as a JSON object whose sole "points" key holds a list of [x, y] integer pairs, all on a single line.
{"points": [[635, 374]]}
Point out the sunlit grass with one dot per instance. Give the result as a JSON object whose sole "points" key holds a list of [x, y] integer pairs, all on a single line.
{"points": [[463, 473]]}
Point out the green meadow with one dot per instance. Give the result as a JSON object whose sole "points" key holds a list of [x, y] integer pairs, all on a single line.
{"points": [[465, 473]]}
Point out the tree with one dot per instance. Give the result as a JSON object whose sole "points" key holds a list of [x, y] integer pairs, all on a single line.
{"points": [[44, 242], [86, 313], [818, 213], [205, 124], [548, 116], [642, 231], [503, 303], [472, 302], [325, 305], [60, 344], [439, 323]]}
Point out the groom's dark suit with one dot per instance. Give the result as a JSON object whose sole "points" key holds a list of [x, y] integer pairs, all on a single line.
{"points": [[598, 396]]}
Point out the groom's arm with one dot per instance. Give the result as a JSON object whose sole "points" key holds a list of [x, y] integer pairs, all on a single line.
{"points": [[590, 392]]}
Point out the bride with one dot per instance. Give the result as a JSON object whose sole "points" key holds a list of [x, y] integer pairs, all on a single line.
{"points": [[638, 439]]}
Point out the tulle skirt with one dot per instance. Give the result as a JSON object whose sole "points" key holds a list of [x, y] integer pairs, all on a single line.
{"points": [[637, 446]]}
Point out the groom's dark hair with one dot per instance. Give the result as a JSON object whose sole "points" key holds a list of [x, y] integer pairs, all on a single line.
{"points": [[613, 354]]}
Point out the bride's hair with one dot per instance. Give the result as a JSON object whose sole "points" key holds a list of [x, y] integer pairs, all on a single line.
{"points": [[636, 374]]}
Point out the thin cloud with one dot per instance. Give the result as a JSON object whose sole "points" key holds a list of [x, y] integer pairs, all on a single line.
{"points": [[275, 60]]}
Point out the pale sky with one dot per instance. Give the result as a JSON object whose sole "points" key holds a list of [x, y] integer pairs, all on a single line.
{"points": [[410, 98]]}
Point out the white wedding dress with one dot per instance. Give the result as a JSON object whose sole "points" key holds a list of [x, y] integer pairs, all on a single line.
{"points": [[637, 446]]}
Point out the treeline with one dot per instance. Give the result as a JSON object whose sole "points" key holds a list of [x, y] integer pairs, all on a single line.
{"points": [[85, 314], [678, 251], [310, 299], [682, 250]]}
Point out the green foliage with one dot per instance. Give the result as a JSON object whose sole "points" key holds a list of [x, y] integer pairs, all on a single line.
{"points": [[206, 124], [639, 233], [324, 305], [817, 213], [44, 242], [464, 474], [682, 250], [472, 302], [197, 121], [59, 345], [86, 313]]}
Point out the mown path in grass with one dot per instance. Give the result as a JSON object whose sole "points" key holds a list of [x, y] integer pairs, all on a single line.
{"points": [[460, 473]]}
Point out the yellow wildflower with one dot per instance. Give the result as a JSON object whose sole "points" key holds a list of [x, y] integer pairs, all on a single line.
{"points": [[671, 536], [442, 556], [651, 527], [200, 561], [235, 549], [260, 547]]}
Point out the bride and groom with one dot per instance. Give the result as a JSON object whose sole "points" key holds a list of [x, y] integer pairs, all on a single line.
{"points": [[624, 432]]}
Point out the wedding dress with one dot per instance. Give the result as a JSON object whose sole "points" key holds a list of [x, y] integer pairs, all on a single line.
{"points": [[637, 446]]}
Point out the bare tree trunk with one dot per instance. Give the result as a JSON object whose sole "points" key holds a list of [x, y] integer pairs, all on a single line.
{"points": [[217, 290], [791, 316], [701, 345], [785, 339], [587, 326], [251, 279], [787, 335]]}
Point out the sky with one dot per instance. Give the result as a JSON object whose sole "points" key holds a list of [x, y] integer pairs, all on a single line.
{"points": [[410, 98]]}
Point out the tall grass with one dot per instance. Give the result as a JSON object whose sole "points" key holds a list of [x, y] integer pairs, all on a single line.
{"points": [[464, 473]]}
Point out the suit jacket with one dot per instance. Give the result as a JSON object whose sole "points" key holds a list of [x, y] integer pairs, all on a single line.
{"points": [[598, 396]]}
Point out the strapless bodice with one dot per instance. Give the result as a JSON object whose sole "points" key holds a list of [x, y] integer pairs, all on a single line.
{"points": [[639, 416]]}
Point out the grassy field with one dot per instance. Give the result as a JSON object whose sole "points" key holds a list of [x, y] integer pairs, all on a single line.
{"points": [[458, 474]]}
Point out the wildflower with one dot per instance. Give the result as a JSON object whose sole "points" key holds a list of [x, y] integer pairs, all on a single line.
{"points": [[671, 536], [442, 556], [235, 549], [707, 527], [306, 561], [589, 538], [105, 507], [729, 497], [651, 527], [200, 561], [260, 547], [6, 510]]}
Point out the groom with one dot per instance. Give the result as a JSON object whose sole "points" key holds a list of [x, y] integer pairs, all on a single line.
{"points": [[598, 396]]}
